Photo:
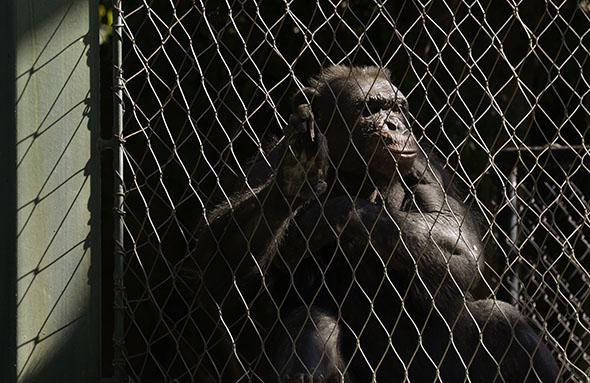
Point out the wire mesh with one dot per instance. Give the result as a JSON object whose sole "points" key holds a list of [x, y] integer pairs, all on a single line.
{"points": [[497, 92]]}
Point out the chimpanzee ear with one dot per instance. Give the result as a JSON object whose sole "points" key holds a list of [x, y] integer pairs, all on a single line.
{"points": [[306, 95]]}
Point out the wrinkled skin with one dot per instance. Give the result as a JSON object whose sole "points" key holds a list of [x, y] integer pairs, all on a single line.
{"points": [[355, 261]]}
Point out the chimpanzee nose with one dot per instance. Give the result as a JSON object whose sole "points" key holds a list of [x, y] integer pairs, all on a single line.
{"points": [[395, 123]]}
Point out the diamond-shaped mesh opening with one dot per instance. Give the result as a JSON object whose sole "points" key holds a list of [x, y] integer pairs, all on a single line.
{"points": [[241, 266]]}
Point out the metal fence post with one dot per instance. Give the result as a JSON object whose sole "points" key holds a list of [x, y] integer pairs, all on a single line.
{"points": [[49, 257], [119, 304], [513, 277]]}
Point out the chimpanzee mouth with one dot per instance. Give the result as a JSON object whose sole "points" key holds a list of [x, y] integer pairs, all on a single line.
{"points": [[405, 154]]}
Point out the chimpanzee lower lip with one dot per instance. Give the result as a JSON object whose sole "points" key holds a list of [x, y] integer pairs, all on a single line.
{"points": [[405, 154]]}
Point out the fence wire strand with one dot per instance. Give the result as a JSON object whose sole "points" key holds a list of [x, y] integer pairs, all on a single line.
{"points": [[498, 98]]}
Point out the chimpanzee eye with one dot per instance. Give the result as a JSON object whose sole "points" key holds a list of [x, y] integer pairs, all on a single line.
{"points": [[369, 108], [372, 106]]}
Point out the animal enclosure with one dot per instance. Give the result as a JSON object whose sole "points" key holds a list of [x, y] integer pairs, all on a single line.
{"points": [[496, 96]]}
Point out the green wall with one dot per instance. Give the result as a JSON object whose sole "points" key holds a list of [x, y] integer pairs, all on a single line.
{"points": [[49, 257]]}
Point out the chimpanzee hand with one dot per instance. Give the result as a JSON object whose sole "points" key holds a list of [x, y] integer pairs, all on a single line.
{"points": [[304, 166]]}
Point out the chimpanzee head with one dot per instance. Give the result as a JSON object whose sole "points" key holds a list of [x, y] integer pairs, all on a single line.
{"points": [[364, 117]]}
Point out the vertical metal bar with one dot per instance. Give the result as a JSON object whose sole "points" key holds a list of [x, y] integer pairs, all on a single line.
{"points": [[513, 278], [119, 195]]}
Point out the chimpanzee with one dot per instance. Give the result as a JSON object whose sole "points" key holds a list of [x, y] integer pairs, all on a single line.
{"points": [[353, 260]]}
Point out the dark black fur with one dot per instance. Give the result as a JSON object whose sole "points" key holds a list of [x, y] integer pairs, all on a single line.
{"points": [[351, 265]]}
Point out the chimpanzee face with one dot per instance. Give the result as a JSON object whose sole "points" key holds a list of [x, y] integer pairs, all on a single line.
{"points": [[365, 121]]}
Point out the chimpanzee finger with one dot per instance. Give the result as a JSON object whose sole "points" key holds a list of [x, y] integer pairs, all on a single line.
{"points": [[305, 113]]}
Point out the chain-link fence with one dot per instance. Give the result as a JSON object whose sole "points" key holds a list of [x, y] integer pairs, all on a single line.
{"points": [[226, 281]]}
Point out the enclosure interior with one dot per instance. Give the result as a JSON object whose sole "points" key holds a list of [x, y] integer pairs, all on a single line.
{"points": [[497, 91]]}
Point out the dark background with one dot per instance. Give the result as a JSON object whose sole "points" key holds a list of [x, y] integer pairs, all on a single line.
{"points": [[207, 89]]}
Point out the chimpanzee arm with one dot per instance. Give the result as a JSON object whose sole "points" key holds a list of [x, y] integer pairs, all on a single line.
{"points": [[238, 235], [449, 223]]}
